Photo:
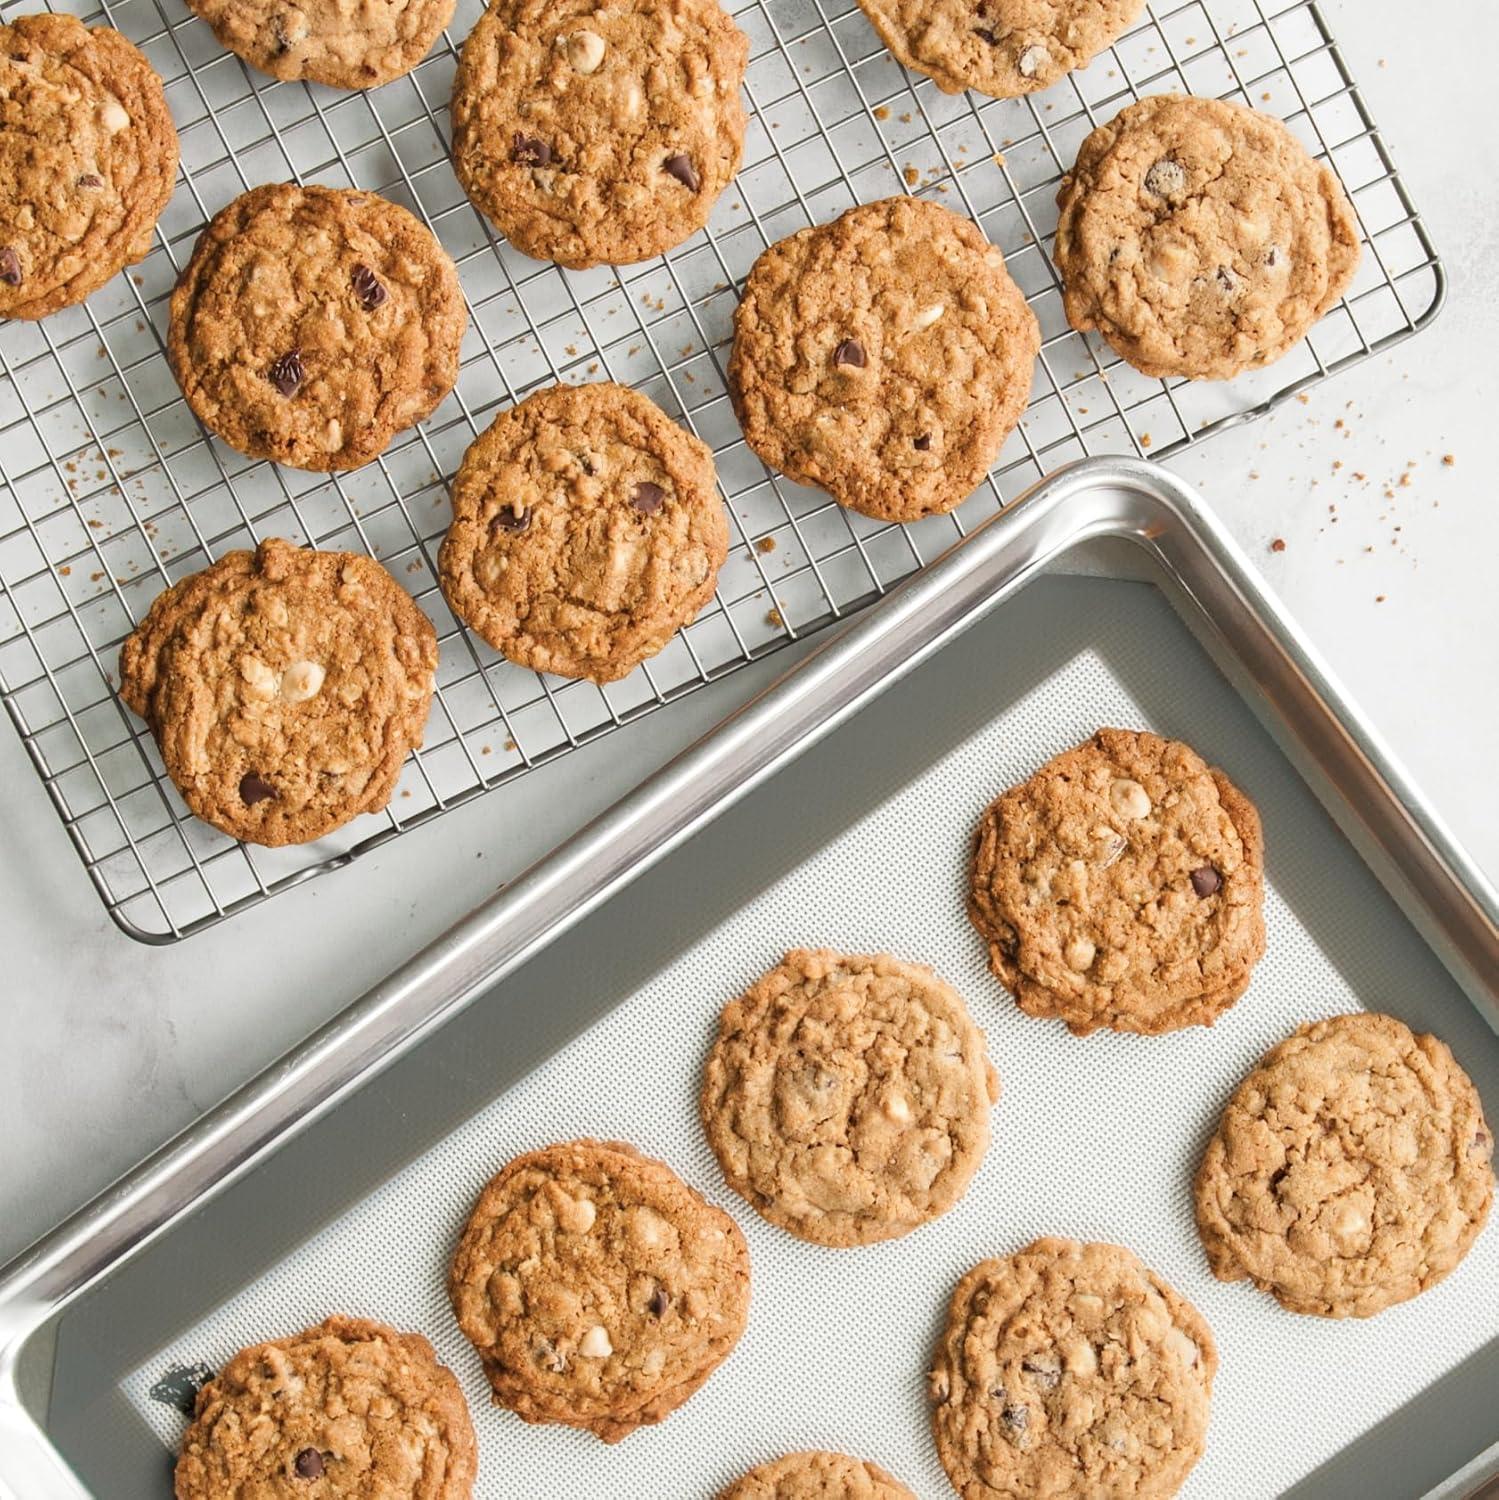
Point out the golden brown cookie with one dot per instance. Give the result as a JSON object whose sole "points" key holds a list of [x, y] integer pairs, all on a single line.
{"points": [[312, 324], [587, 530], [594, 134], [598, 1288], [350, 1408], [1199, 238], [285, 688], [885, 357], [347, 44], [817, 1476], [847, 1098], [1121, 886], [1001, 47], [1352, 1169], [1070, 1370], [88, 158]]}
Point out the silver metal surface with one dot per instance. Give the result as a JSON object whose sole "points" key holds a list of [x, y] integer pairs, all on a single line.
{"points": [[1284, 681], [109, 490]]}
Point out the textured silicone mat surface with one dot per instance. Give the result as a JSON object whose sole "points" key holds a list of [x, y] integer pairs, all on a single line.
{"points": [[1096, 1138]]}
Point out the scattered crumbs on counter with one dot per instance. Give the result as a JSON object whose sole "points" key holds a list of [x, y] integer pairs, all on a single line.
{"points": [[775, 618], [881, 112], [1278, 545], [766, 544], [1448, 460], [911, 175]]}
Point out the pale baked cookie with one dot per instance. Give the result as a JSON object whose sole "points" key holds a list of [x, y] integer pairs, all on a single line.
{"points": [[1199, 238], [1352, 1169], [285, 688], [350, 1408], [88, 157], [347, 44], [598, 1288], [885, 357], [587, 530], [846, 1098], [1001, 47], [1121, 886], [312, 324], [599, 133], [817, 1476], [1070, 1370]]}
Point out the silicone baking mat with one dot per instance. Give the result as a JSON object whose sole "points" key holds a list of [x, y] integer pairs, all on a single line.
{"points": [[109, 489], [1095, 1138]]}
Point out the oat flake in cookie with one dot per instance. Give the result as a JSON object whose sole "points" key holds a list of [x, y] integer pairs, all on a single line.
{"points": [[587, 529], [885, 357], [285, 688], [592, 133], [88, 157], [1070, 1370], [817, 1475], [349, 1410], [847, 1098], [312, 324], [1001, 47], [1199, 238], [598, 1288], [347, 44], [1121, 886], [1352, 1169]]}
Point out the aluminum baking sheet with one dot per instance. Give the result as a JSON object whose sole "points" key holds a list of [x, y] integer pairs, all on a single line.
{"points": [[109, 489], [860, 844]]}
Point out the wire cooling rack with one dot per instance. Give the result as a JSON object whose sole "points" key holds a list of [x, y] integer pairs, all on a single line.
{"points": [[109, 489]]}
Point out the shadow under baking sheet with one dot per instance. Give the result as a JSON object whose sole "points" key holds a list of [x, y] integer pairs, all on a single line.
{"points": [[859, 844]]}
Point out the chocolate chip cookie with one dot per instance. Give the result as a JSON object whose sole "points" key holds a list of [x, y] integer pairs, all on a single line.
{"points": [[847, 1099], [1199, 238], [1070, 1369], [594, 134], [350, 1408], [1352, 1169], [347, 44], [598, 1288], [312, 324], [1001, 47], [885, 357], [587, 529], [88, 157], [817, 1476], [1121, 886], [285, 687]]}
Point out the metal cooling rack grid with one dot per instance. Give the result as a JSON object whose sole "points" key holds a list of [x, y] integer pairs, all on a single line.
{"points": [[109, 489]]}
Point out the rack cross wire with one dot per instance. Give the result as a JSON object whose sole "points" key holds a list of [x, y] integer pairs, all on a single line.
{"points": [[110, 490]]}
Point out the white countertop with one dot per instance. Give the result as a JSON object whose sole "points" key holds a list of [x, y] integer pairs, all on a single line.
{"points": [[110, 1047]]}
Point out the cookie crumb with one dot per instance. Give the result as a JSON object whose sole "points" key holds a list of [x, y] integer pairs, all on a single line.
{"points": [[766, 544], [1278, 545]]}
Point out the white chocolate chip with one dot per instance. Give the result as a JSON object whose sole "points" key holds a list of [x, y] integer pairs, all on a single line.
{"points": [[926, 316], [1352, 1223], [1183, 1347], [576, 1215], [1110, 845], [112, 116], [1079, 953], [333, 436], [1086, 1305], [1032, 60], [1081, 1360], [896, 1108], [585, 51], [1128, 798], [259, 680], [653, 1363], [632, 102], [595, 1344], [301, 680]]}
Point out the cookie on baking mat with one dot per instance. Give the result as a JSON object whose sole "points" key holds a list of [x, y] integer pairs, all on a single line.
{"points": [[885, 357], [1121, 886], [598, 1288], [88, 158], [1001, 47], [847, 1098], [1199, 237], [594, 134], [350, 1408], [1352, 1169], [817, 1475], [1070, 1369], [312, 324], [587, 530], [285, 687]]}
